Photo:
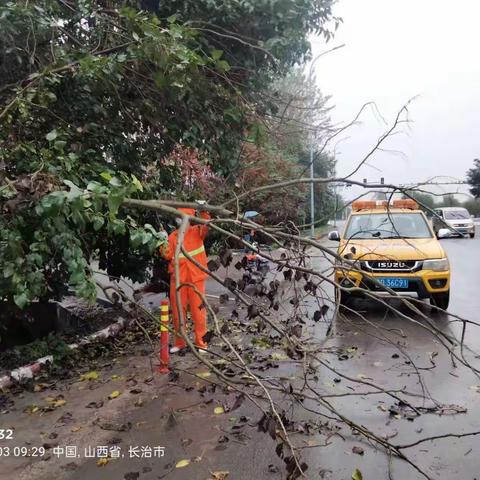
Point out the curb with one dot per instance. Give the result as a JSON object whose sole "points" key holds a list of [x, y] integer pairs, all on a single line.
{"points": [[30, 370]]}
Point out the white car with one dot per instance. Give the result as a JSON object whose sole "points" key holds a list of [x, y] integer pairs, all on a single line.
{"points": [[456, 218]]}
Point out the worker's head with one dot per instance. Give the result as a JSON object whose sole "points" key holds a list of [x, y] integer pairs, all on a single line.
{"points": [[186, 211]]}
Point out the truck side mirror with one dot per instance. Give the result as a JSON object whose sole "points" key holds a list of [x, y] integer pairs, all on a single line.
{"points": [[334, 236]]}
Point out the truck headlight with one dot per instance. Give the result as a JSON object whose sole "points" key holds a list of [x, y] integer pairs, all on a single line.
{"points": [[437, 265]]}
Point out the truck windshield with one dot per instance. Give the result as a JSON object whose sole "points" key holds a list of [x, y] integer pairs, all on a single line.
{"points": [[460, 214], [387, 225]]}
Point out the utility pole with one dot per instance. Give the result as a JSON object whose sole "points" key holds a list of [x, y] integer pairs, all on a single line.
{"points": [[336, 205], [312, 194]]}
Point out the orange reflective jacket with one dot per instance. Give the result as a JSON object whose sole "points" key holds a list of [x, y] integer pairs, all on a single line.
{"points": [[193, 245]]}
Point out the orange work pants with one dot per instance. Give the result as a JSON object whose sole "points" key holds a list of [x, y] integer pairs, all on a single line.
{"points": [[190, 298]]}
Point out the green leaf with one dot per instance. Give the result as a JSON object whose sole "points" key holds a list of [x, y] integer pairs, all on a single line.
{"points": [[223, 65], [232, 113], [59, 144], [118, 227], [114, 201], [96, 187], [21, 300], [52, 135], [106, 175], [136, 183], [98, 223], [74, 190], [357, 475], [172, 19], [216, 54], [146, 237], [136, 238], [161, 80], [115, 182], [8, 270]]}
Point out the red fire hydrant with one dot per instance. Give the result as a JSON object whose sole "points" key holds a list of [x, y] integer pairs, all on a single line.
{"points": [[164, 349]]}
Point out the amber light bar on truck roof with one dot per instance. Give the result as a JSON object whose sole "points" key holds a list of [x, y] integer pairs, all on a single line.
{"points": [[383, 204]]}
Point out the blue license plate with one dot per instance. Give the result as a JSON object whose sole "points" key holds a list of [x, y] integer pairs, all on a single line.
{"points": [[394, 282]]}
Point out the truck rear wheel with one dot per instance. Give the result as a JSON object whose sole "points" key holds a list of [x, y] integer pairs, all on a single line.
{"points": [[440, 300]]}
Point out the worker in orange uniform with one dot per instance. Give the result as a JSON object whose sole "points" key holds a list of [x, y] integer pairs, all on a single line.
{"points": [[189, 274]]}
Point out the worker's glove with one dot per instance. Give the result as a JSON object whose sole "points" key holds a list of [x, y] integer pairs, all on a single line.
{"points": [[163, 236]]}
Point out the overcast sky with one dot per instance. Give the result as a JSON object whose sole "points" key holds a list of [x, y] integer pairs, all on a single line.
{"points": [[396, 50]]}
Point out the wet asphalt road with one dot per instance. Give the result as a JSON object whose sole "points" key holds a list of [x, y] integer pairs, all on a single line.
{"points": [[384, 348]]}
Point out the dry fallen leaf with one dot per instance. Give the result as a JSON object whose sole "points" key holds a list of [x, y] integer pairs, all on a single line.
{"points": [[357, 475], [101, 462], [220, 361], [182, 463], [114, 394], [203, 374], [59, 403], [40, 387], [313, 443], [89, 376], [221, 475], [218, 410], [279, 356], [358, 450], [76, 429]]}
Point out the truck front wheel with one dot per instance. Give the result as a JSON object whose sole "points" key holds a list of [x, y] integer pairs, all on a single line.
{"points": [[440, 300]]}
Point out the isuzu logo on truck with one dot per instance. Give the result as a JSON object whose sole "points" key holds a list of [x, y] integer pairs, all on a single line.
{"points": [[391, 265]]}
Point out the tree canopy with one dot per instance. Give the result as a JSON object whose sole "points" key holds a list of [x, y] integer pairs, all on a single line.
{"points": [[473, 178], [97, 95]]}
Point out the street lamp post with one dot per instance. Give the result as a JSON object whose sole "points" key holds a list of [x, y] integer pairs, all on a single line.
{"points": [[336, 206], [312, 194]]}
